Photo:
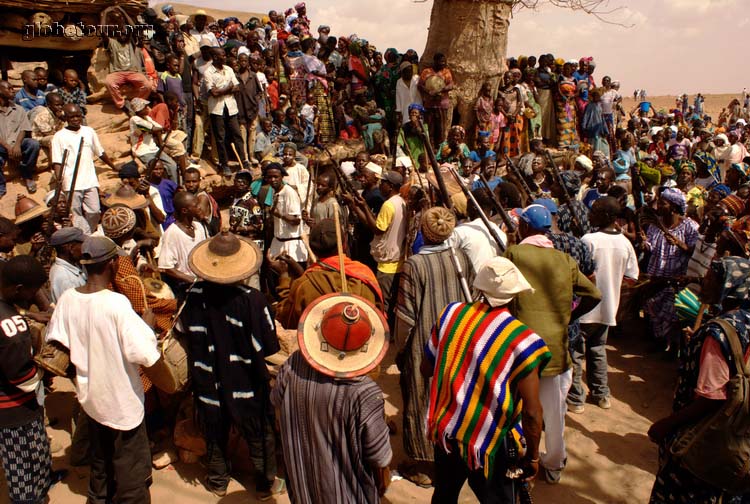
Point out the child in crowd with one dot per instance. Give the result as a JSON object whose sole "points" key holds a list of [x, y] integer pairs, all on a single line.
{"points": [[72, 92], [42, 81]]}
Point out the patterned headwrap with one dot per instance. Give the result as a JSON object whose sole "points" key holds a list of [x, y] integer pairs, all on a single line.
{"points": [[389, 51], [735, 275], [571, 180], [438, 224], [483, 134], [721, 189], [686, 165], [675, 197], [740, 167], [117, 221], [416, 106], [734, 204], [710, 162], [458, 131]]}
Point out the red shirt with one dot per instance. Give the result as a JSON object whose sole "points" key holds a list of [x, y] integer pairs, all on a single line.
{"points": [[160, 114]]}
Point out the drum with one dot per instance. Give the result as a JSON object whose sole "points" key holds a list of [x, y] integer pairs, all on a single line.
{"points": [[171, 375], [158, 288], [55, 358]]}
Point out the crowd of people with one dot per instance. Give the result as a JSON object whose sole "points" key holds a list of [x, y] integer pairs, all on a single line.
{"points": [[492, 272]]}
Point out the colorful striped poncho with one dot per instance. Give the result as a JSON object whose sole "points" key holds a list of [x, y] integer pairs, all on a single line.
{"points": [[480, 354]]}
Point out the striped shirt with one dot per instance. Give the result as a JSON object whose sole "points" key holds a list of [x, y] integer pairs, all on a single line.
{"points": [[480, 354], [333, 433]]}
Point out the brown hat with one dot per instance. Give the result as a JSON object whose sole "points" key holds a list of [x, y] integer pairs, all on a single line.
{"points": [[28, 209], [126, 195], [118, 221], [225, 259], [438, 224], [342, 335]]}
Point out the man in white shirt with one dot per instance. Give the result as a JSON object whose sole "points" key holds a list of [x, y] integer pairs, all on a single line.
{"points": [[65, 273], [615, 259], [287, 217], [297, 175], [201, 125], [108, 342], [200, 27], [85, 206], [143, 145], [407, 91], [179, 240], [473, 237], [221, 84]]}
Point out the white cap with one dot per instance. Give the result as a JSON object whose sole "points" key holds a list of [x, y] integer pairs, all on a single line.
{"points": [[374, 168], [348, 168], [585, 162], [404, 161], [500, 281]]}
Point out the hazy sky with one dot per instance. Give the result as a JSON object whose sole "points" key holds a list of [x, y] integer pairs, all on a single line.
{"points": [[675, 46]]}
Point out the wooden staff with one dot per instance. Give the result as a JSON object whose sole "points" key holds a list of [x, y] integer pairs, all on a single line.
{"points": [[340, 249], [75, 174], [447, 202], [498, 206], [236, 154], [472, 201], [156, 158], [521, 180], [312, 174], [56, 197], [575, 222]]}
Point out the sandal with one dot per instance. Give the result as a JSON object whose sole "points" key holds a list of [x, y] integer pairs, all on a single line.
{"points": [[410, 472]]}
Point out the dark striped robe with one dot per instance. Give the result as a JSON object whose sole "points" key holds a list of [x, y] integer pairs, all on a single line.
{"points": [[333, 433], [429, 282]]}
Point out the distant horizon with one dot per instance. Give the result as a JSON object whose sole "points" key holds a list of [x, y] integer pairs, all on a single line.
{"points": [[665, 44]]}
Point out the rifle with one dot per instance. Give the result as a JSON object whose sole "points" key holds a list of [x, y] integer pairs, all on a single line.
{"points": [[56, 197], [576, 227], [75, 174], [436, 168], [521, 180], [470, 198], [343, 180], [498, 206], [637, 189]]}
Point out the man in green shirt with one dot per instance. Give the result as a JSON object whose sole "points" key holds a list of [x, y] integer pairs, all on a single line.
{"points": [[548, 310]]}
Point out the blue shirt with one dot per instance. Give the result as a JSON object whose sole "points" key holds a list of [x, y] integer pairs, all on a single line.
{"points": [[28, 102], [474, 155], [493, 183], [167, 189]]}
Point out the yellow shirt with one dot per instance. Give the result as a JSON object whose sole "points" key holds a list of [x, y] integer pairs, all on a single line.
{"points": [[383, 222]]}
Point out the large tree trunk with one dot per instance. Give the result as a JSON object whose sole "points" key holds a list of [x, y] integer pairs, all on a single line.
{"points": [[473, 34]]}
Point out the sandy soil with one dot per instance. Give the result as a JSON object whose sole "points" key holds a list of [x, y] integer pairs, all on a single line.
{"points": [[610, 459]]}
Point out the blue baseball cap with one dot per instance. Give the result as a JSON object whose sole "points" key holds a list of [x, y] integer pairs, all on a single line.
{"points": [[537, 217], [547, 203]]}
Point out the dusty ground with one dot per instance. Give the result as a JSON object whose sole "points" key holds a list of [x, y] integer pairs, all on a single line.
{"points": [[610, 460]]}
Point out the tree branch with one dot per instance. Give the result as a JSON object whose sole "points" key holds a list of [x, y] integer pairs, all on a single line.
{"points": [[600, 9]]}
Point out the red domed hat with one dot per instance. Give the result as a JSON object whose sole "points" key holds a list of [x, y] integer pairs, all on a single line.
{"points": [[343, 335]]}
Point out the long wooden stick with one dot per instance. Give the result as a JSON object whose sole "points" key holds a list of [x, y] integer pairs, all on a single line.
{"points": [[237, 155], [58, 190], [340, 248], [75, 174]]}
